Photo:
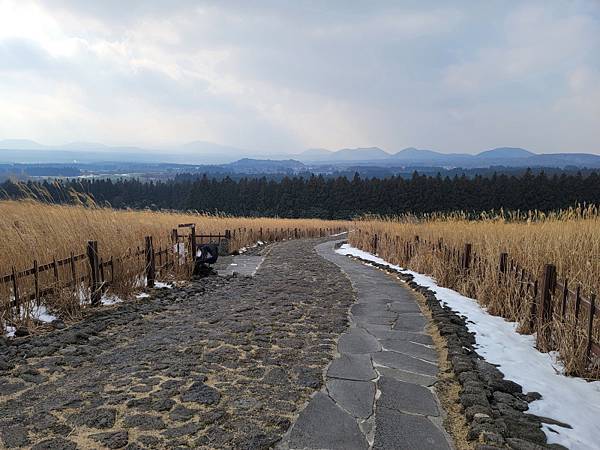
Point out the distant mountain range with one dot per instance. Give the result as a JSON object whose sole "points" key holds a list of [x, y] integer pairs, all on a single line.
{"points": [[503, 156], [201, 152]]}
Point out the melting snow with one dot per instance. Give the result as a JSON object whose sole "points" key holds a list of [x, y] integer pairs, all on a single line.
{"points": [[567, 399]]}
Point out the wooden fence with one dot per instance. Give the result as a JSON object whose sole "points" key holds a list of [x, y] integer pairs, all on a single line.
{"points": [[91, 274], [547, 299]]}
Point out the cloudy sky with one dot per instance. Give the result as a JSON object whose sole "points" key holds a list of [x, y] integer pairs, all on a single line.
{"points": [[289, 75]]}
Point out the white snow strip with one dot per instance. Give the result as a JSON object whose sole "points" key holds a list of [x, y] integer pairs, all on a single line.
{"points": [[9, 331], [41, 313], [110, 299], [142, 295], [567, 399], [338, 234], [161, 285]]}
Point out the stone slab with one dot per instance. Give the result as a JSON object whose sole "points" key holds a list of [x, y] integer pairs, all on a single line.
{"points": [[395, 430], [357, 341], [410, 348], [406, 397], [356, 397], [324, 425], [404, 362], [352, 367], [408, 377]]}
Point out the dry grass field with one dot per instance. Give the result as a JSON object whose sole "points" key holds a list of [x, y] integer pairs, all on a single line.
{"points": [[568, 239], [31, 230]]}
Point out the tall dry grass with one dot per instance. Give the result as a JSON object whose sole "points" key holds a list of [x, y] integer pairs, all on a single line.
{"points": [[31, 230], [568, 239]]}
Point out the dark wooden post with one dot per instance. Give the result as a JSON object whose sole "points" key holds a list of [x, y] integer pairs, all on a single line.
{"points": [[193, 242], [150, 262], [55, 270], [375, 242], [466, 259], [95, 285], [73, 271], [503, 262], [36, 281], [174, 236], [590, 325], [15, 281], [544, 310]]}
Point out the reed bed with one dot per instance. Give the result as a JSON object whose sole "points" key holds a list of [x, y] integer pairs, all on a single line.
{"points": [[31, 230], [569, 239]]}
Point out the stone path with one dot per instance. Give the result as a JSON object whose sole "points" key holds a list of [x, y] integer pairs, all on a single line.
{"points": [[378, 390], [225, 362]]}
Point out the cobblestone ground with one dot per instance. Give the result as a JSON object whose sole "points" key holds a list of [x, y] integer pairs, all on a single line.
{"points": [[221, 363]]}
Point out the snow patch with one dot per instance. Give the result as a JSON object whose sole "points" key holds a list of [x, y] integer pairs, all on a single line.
{"points": [[41, 313], [110, 299], [142, 295], [567, 399], [161, 285]]}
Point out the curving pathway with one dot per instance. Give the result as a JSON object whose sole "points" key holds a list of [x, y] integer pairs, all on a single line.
{"points": [[378, 391]]}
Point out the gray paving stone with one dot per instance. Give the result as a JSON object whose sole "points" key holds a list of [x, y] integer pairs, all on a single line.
{"points": [[357, 340], [410, 349], [324, 425], [406, 397], [352, 367], [405, 306], [410, 322], [409, 377], [356, 397], [395, 430], [412, 336], [405, 362]]}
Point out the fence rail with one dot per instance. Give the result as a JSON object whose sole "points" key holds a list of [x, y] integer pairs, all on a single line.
{"points": [[549, 298], [94, 274]]}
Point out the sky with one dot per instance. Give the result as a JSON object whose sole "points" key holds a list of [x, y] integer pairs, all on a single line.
{"points": [[276, 75]]}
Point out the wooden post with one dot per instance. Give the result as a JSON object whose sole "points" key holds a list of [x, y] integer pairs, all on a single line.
{"points": [[503, 262], [576, 313], [15, 280], [544, 310], [55, 269], [375, 242], [73, 271], [193, 242], [150, 263], [92, 253], [36, 281], [466, 260], [174, 236]]}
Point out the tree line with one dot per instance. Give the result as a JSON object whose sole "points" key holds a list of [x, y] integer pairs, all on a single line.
{"points": [[322, 197]]}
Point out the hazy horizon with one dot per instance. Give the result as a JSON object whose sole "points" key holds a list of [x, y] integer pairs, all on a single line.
{"points": [[272, 79]]}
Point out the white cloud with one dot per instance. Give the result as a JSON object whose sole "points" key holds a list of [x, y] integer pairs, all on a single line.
{"points": [[306, 74]]}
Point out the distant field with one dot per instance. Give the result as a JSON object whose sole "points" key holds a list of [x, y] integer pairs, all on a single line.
{"points": [[569, 239]]}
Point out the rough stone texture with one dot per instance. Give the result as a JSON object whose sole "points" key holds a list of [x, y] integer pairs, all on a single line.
{"points": [[404, 362], [356, 341], [222, 362]]}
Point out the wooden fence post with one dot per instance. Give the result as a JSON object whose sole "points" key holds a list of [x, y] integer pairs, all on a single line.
{"points": [[95, 285], [466, 257], [375, 242], [544, 310], [15, 280], [36, 281], [193, 242], [590, 325], [503, 262], [150, 262]]}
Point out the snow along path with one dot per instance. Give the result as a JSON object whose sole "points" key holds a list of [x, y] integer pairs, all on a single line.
{"points": [[567, 399]]}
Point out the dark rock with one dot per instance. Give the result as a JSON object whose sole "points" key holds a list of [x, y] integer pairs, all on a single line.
{"points": [[144, 422], [201, 393], [15, 436], [116, 439], [94, 418]]}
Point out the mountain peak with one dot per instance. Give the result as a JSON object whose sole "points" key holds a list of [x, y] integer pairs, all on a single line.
{"points": [[506, 152]]}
